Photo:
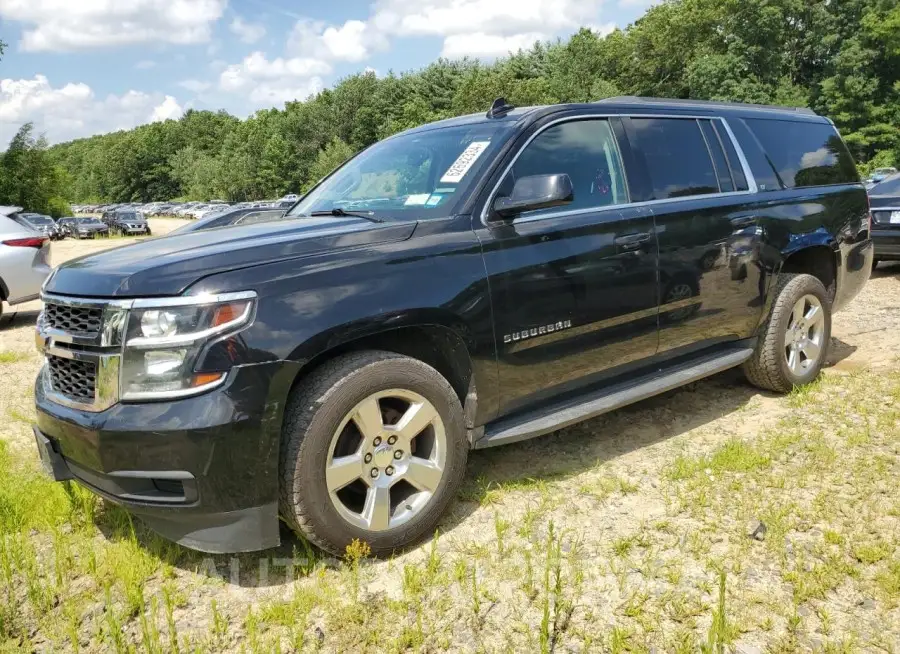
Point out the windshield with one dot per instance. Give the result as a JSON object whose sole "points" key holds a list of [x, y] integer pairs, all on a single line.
{"points": [[128, 215], [890, 186], [88, 221], [421, 175], [39, 220]]}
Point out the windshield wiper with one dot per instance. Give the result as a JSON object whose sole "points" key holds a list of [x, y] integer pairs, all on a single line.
{"points": [[337, 211]]}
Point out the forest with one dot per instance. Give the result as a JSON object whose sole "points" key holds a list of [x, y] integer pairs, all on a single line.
{"points": [[842, 59]]}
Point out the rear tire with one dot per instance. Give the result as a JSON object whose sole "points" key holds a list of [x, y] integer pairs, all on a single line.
{"points": [[793, 342], [351, 473]]}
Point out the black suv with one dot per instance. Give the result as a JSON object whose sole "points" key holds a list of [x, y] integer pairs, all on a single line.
{"points": [[127, 223], [469, 283]]}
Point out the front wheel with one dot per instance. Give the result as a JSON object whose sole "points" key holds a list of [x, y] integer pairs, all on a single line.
{"points": [[793, 343], [373, 448]]}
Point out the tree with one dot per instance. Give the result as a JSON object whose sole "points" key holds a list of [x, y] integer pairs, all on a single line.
{"points": [[28, 178], [842, 59], [332, 156]]}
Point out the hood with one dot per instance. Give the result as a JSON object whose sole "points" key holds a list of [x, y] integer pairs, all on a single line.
{"points": [[168, 265]]}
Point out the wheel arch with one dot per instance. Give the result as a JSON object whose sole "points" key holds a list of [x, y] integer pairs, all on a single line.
{"points": [[440, 344], [819, 258], [4, 290]]}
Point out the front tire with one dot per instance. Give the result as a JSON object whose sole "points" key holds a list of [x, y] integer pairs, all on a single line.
{"points": [[373, 448], [793, 342]]}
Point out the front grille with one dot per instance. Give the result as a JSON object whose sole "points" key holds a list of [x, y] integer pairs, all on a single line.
{"points": [[78, 321], [77, 380]]}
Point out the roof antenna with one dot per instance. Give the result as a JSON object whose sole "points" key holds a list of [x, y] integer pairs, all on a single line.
{"points": [[499, 108]]}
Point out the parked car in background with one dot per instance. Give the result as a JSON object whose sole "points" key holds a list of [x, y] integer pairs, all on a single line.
{"points": [[24, 259], [83, 227], [884, 198], [230, 219], [882, 174], [126, 223], [40, 223]]}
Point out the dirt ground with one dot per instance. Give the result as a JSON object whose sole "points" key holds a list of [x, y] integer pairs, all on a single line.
{"points": [[631, 532]]}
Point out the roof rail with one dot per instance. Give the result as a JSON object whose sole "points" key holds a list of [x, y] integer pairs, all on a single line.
{"points": [[707, 103]]}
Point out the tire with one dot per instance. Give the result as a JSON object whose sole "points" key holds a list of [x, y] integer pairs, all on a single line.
{"points": [[312, 434], [769, 368]]}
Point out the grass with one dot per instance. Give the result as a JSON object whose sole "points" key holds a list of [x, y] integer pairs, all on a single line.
{"points": [[586, 560], [14, 356]]}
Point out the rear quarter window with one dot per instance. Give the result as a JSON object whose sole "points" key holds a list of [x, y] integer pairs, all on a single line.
{"points": [[804, 154]]}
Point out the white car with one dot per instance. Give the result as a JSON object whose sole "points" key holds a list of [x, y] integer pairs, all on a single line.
{"points": [[24, 259]]}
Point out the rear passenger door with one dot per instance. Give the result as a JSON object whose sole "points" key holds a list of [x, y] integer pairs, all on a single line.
{"points": [[573, 288], [711, 286]]}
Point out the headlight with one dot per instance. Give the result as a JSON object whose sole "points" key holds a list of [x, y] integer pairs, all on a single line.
{"points": [[164, 340]]}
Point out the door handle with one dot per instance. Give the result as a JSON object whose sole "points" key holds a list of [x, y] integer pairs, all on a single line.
{"points": [[633, 240]]}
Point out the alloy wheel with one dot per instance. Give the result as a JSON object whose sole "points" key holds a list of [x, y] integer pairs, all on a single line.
{"points": [[386, 460], [803, 341]]}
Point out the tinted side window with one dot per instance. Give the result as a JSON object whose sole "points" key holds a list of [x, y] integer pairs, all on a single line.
{"points": [[586, 151], [677, 158], [805, 154]]}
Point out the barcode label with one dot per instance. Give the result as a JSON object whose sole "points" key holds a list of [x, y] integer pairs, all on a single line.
{"points": [[461, 166]]}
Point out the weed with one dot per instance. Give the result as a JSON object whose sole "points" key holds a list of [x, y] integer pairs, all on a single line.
{"points": [[719, 635], [13, 356], [501, 526]]}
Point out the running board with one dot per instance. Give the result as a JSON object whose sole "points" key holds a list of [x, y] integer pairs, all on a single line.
{"points": [[537, 423]]}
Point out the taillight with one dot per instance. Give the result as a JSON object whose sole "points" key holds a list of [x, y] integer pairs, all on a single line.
{"points": [[869, 214], [30, 242]]}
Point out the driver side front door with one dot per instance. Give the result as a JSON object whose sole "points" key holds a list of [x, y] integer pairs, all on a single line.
{"points": [[573, 288]]}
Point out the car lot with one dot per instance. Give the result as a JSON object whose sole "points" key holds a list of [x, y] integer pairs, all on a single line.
{"points": [[615, 529]]}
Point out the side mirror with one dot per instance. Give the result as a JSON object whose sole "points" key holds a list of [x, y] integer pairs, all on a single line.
{"points": [[536, 192]]}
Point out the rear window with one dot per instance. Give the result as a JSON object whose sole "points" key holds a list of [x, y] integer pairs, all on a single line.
{"points": [[890, 186], [804, 154]]}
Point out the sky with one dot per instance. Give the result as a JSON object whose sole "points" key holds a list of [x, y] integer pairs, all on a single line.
{"points": [[81, 67]]}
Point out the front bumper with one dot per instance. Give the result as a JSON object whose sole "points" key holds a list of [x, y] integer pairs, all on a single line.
{"points": [[201, 471]]}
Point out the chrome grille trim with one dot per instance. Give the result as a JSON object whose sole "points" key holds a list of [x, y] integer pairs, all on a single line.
{"points": [[91, 384]]}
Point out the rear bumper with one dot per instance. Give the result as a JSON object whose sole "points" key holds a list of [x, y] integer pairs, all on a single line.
{"points": [[887, 243], [201, 471], [854, 271]]}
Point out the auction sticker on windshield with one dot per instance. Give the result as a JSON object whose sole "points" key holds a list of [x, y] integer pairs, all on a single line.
{"points": [[464, 162]]}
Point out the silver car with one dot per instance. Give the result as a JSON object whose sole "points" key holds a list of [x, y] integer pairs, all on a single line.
{"points": [[24, 259]]}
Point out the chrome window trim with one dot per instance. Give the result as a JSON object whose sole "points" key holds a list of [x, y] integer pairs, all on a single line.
{"points": [[745, 166]]}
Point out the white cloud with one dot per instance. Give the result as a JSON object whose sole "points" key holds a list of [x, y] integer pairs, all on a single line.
{"points": [[487, 46], [267, 82], [146, 64], [446, 17], [73, 110], [59, 25], [247, 32], [195, 85], [168, 109], [480, 28], [355, 40]]}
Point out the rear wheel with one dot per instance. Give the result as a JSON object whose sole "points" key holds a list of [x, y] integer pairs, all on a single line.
{"points": [[793, 343], [373, 448]]}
